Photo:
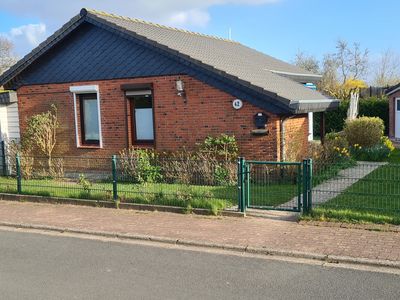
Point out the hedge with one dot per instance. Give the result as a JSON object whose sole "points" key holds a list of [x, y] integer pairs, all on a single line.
{"points": [[369, 107]]}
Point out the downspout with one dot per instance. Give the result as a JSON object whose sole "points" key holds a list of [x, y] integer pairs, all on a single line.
{"points": [[282, 139]]}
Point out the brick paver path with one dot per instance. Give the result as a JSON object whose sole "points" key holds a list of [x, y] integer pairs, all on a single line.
{"points": [[249, 231]]}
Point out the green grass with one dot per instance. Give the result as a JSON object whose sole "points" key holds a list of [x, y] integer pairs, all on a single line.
{"points": [[394, 157], [214, 198], [373, 199]]}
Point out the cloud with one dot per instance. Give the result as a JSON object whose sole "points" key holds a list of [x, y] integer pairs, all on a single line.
{"points": [[27, 36], [172, 12], [195, 17], [51, 14]]}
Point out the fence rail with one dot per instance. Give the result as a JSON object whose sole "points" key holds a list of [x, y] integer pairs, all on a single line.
{"points": [[364, 187], [188, 183]]}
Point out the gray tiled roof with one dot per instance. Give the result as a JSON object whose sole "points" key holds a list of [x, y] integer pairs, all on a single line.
{"points": [[245, 67], [228, 56]]}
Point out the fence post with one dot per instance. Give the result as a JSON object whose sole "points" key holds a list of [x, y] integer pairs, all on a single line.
{"points": [[3, 158], [18, 170], [114, 176], [305, 186], [241, 187], [243, 179], [247, 169], [310, 176]]}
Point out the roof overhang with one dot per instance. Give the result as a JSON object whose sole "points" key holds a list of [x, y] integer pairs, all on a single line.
{"points": [[305, 106], [299, 77], [275, 103], [394, 90]]}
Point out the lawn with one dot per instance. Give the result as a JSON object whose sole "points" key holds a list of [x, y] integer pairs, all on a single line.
{"points": [[394, 157], [374, 198], [214, 198], [208, 197]]}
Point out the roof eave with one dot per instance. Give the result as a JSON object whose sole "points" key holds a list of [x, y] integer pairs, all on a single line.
{"points": [[394, 90], [299, 77], [322, 105]]}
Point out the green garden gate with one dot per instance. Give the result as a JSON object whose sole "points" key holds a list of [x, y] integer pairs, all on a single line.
{"points": [[270, 185]]}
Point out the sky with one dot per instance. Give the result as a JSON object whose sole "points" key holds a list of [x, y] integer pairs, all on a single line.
{"points": [[279, 28]]}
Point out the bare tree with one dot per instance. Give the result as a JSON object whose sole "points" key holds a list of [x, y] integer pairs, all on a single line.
{"points": [[307, 62], [352, 61], [7, 56], [387, 69], [329, 81]]}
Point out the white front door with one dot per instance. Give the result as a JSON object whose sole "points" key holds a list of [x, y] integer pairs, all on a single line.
{"points": [[397, 119]]}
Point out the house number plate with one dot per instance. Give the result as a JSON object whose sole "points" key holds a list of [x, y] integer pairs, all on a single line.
{"points": [[237, 104]]}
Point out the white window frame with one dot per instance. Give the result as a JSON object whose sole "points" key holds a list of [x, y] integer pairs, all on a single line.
{"points": [[86, 89]]}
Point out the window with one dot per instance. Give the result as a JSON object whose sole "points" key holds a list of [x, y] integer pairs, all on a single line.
{"points": [[398, 104], [142, 115], [89, 113]]}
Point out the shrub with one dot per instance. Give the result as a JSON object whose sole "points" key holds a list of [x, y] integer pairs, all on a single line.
{"points": [[378, 152], [369, 107], [336, 147], [199, 168], [388, 143], [222, 147], [140, 165], [41, 132], [364, 131], [26, 159]]}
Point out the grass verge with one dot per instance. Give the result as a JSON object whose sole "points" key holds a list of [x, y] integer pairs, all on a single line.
{"points": [[374, 198]]}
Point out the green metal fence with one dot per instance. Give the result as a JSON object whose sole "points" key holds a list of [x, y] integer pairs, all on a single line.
{"points": [[215, 185], [361, 187], [274, 185], [187, 183]]}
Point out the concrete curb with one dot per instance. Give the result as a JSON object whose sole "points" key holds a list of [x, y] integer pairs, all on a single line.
{"points": [[245, 249], [110, 204]]}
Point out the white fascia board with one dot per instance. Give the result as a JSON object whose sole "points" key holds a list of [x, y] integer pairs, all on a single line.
{"points": [[295, 74], [313, 101], [394, 91], [84, 89]]}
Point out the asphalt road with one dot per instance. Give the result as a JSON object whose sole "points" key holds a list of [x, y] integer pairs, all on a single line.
{"points": [[36, 266]]}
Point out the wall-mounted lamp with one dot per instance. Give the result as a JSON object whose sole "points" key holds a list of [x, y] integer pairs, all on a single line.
{"points": [[180, 88]]}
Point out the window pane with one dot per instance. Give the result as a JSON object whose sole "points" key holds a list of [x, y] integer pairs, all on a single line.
{"points": [[143, 101], [91, 120], [144, 123], [398, 105]]}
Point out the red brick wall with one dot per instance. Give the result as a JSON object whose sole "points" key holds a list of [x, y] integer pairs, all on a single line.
{"points": [[392, 113], [178, 125], [296, 137]]}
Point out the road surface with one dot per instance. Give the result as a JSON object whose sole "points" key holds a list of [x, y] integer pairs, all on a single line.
{"points": [[39, 266]]}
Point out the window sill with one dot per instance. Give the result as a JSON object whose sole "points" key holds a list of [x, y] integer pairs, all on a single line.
{"points": [[88, 147]]}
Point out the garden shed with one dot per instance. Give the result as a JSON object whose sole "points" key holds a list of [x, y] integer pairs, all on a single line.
{"points": [[393, 94], [120, 82]]}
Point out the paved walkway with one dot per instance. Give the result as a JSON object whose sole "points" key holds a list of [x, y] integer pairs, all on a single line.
{"points": [[250, 231], [333, 187]]}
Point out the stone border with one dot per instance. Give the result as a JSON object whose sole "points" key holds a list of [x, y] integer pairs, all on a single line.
{"points": [[241, 249], [110, 204]]}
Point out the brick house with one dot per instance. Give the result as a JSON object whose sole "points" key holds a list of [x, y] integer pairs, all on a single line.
{"points": [[393, 94], [121, 82]]}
